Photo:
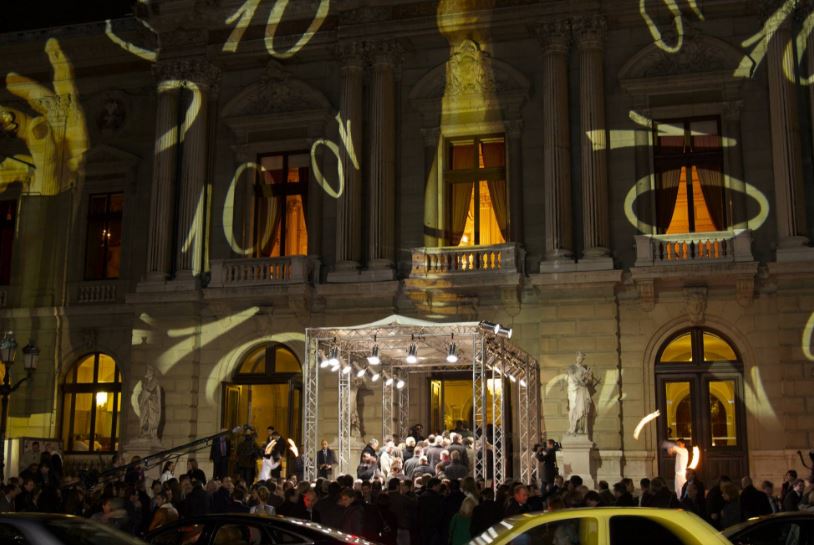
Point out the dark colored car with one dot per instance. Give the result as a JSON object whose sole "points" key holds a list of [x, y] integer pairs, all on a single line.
{"points": [[240, 529], [51, 529], [793, 528]]}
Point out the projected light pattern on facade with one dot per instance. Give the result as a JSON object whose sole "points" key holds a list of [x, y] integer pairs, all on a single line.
{"points": [[678, 22], [57, 138]]}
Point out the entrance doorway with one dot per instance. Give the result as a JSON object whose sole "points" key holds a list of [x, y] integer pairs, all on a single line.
{"points": [[266, 390], [699, 381]]}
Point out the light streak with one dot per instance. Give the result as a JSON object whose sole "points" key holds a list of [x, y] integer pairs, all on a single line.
{"points": [[276, 14], [802, 44], [229, 211], [760, 41], [141, 52], [650, 417], [808, 331], [244, 13], [678, 21], [347, 141], [696, 457]]}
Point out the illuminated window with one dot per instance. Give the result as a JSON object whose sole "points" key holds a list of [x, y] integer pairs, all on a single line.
{"points": [[478, 205], [280, 203], [697, 346], [688, 163], [91, 405], [103, 242], [8, 216]]}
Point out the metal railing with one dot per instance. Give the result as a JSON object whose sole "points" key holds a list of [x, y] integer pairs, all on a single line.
{"points": [[96, 292]]}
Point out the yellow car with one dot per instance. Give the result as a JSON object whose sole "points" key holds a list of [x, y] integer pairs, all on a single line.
{"points": [[603, 526]]}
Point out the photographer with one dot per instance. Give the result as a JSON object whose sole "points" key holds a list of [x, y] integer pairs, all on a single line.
{"points": [[547, 456]]}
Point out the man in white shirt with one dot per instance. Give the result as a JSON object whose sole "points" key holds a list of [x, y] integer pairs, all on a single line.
{"points": [[679, 450]]}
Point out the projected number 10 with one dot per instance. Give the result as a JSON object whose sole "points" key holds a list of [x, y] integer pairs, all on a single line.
{"points": [[347, 142]]}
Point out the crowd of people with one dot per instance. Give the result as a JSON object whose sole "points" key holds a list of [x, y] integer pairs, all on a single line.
{"points": [[419, 491]]}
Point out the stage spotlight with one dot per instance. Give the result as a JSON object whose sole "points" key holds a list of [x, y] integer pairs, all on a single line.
{"points": [[412, 353], [452, 354], [399, 384], [361, 372], [335, 368], [523, 382], [333, 357], [389, 381], [503, 331], [346, 369], [374, 376], [373, 358], [491, 327], [511, 377]]}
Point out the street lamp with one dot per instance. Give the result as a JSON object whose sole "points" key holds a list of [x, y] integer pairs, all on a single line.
{"points": [[8, 352]]}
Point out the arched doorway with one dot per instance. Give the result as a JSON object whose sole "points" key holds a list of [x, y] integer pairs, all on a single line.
{"points": [[699, 381], [266, 390]]}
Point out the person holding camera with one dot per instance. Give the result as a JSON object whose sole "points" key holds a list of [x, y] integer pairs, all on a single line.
{"points": [[547, 456]]}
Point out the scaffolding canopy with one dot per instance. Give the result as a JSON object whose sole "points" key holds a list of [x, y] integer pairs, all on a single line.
{"points": [[480, 348]]}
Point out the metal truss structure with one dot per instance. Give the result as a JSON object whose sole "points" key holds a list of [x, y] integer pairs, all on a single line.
{"points": [[500, 372]]}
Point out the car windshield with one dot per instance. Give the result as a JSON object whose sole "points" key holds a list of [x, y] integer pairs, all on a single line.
{"points": [[495, 532], [79, 531]]}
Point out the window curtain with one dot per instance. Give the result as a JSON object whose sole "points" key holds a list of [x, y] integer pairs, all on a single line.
{"points": [[494, 156], [666, 197], [461, 196], [712, 186], [267, 225]]}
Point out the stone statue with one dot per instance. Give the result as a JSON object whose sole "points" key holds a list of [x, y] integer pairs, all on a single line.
{"points": [[580, 382], [149, 402], [353, 401]]}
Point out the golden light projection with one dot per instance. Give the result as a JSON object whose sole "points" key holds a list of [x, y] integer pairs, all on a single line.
{"points": [[643, 422], [678, 22], [808, 338], [347, 143], [229, 209], [627, 138], [243, 16], [57, 138], [760, 41], [141, 52]]}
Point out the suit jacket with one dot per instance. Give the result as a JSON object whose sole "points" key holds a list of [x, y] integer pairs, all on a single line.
{"points": [[324, 458], [215, 453]]}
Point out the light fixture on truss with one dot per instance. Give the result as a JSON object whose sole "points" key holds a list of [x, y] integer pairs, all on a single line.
{"points": [[333, 357], [360, 371], [452, 351], [388, 380], [400, 383], [497, 329], [373, 358], [412, 352]]}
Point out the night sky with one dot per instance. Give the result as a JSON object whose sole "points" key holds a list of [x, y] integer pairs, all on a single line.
{"points": [[33, 14]]}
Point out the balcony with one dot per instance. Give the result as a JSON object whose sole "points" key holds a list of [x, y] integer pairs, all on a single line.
{"points": [[102, 291], [694, 248], [447, 261], [263, 271]]}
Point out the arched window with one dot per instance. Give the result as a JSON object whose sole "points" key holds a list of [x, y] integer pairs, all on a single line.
{"points": [[700, 392], [91, 404]]}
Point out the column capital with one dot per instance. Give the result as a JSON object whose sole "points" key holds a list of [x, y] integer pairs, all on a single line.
{"points": [[178, 72], [384, 52], [514, 128], [554, 36], [351, 53], [731, 110], [589, 31]]}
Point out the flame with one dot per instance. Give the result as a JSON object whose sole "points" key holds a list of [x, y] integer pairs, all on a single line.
{"points": [[696, 457], [643, 421]]}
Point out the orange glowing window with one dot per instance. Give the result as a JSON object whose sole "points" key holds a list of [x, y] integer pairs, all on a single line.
{"points": [[280, 206], [103, 240], [688, 162], [477, 211]]}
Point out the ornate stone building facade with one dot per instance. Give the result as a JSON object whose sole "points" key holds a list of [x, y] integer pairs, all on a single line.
{"points": [[190, 190]]}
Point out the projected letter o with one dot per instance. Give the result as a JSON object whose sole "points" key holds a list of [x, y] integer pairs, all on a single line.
{"points": [[323, 183], [643, 186], [229, 210]]}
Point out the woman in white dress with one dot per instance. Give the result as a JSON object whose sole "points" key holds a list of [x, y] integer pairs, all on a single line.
{"points": [[268, 463], [166, 473]]}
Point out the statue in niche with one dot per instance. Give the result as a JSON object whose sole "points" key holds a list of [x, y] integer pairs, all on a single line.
{"points": [[581, 382], [150, 406], [356, 422]]}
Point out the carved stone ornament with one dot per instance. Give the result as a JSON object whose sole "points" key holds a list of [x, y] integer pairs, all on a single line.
{"points": [[111, 115], [197, 70], [277, 91], [647, 294], [696, 304], [745, 290], [469, 71], [554, 36]]}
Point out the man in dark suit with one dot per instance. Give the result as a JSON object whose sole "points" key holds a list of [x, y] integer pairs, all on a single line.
{"points": [[219, 454], [430, 513], [754, 503], [326, 460]]}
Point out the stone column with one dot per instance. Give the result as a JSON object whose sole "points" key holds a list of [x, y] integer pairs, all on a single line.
{"points": [[433, 230], [199, 79], [349, 205], [590, 33], [382, 160], [786, 152], [164, 170], [736, 210], [554, 39], [514, 149]]}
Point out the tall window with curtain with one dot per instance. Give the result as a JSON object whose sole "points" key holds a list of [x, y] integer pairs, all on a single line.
{"points": [[91, 405], [279, 206], [103, 243], [688, 164], [477, 200]]}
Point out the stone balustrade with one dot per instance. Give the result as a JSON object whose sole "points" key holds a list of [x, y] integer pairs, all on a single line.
{"points": [[262, 271], [504, 258], [96, 292], [715, 246]]}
